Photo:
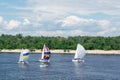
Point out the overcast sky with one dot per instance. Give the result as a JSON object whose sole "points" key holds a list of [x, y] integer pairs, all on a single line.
{"points": [[60, 17]]}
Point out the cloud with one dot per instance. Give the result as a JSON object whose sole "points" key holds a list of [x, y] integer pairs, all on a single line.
{"points": [[2, 23], [50, 33], [74, 25], [79, 6], [77, 32], [1, 19], [107, 32], [13, 24], [74, 21], [105, 24], [62, 17], [26, 22]]}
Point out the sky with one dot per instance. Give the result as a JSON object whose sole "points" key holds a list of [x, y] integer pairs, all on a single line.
{"points": [[60, 17]]}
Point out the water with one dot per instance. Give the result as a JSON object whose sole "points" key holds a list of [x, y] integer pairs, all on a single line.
{"points": [[96, 67]]}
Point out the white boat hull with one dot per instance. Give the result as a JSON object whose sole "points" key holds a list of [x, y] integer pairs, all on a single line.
{"points": [[23, 62], [44, 61], [77, 60]]}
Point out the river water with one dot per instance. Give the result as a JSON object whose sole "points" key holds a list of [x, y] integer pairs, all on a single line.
{"points": [[61, 67]]}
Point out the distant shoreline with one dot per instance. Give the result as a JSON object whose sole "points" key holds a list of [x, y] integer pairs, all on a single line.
{"points": [[65, 52]]}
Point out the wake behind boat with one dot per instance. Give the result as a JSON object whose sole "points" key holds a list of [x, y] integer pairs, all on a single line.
{"points": [[24, 55], [44, 64], [46, 54], [80, 53]]}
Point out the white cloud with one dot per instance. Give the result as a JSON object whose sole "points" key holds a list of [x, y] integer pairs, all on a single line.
{"points": [[104, 24], [107, 32], [77, 32], [26, 22], [74, 21], [82, 17], [79, 6], [13, 24], [50, 33], [1, 19]]}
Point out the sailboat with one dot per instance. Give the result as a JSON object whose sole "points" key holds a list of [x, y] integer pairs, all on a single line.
{"points": [[24, 55], [46, 54], [80, 53]]}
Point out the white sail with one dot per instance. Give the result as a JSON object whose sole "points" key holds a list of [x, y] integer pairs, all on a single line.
{"points": [[20, 58], [42, 57], [80, 52], [24, 55]]}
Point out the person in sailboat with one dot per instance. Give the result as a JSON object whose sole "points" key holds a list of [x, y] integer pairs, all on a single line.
{"points": [[47, 56]]}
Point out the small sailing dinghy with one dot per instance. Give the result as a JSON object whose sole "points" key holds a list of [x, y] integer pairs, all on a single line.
{"points": [[80, 53], [24, 55], [46, 54]]}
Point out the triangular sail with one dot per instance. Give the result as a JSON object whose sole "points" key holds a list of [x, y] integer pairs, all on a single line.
{"points": [[42, 57], [80, 52], [24, 55], [45, 53]]}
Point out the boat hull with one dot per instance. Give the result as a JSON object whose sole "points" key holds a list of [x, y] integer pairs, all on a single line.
{"points": [[23, 62], [44, 61], [77, 60]]}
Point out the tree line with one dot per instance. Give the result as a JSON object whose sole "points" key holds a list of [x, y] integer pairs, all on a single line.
{"points": [[19, 41]]}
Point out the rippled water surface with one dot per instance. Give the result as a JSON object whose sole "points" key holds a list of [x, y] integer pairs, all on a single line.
{"points": [[96, 67]]}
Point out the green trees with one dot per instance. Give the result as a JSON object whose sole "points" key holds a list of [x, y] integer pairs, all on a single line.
{"points": [[36, 42]]}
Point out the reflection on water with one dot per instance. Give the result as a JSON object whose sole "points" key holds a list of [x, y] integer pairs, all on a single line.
{"points": [[77, 65], [44, 64], [79, 68], [22, 65]]}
